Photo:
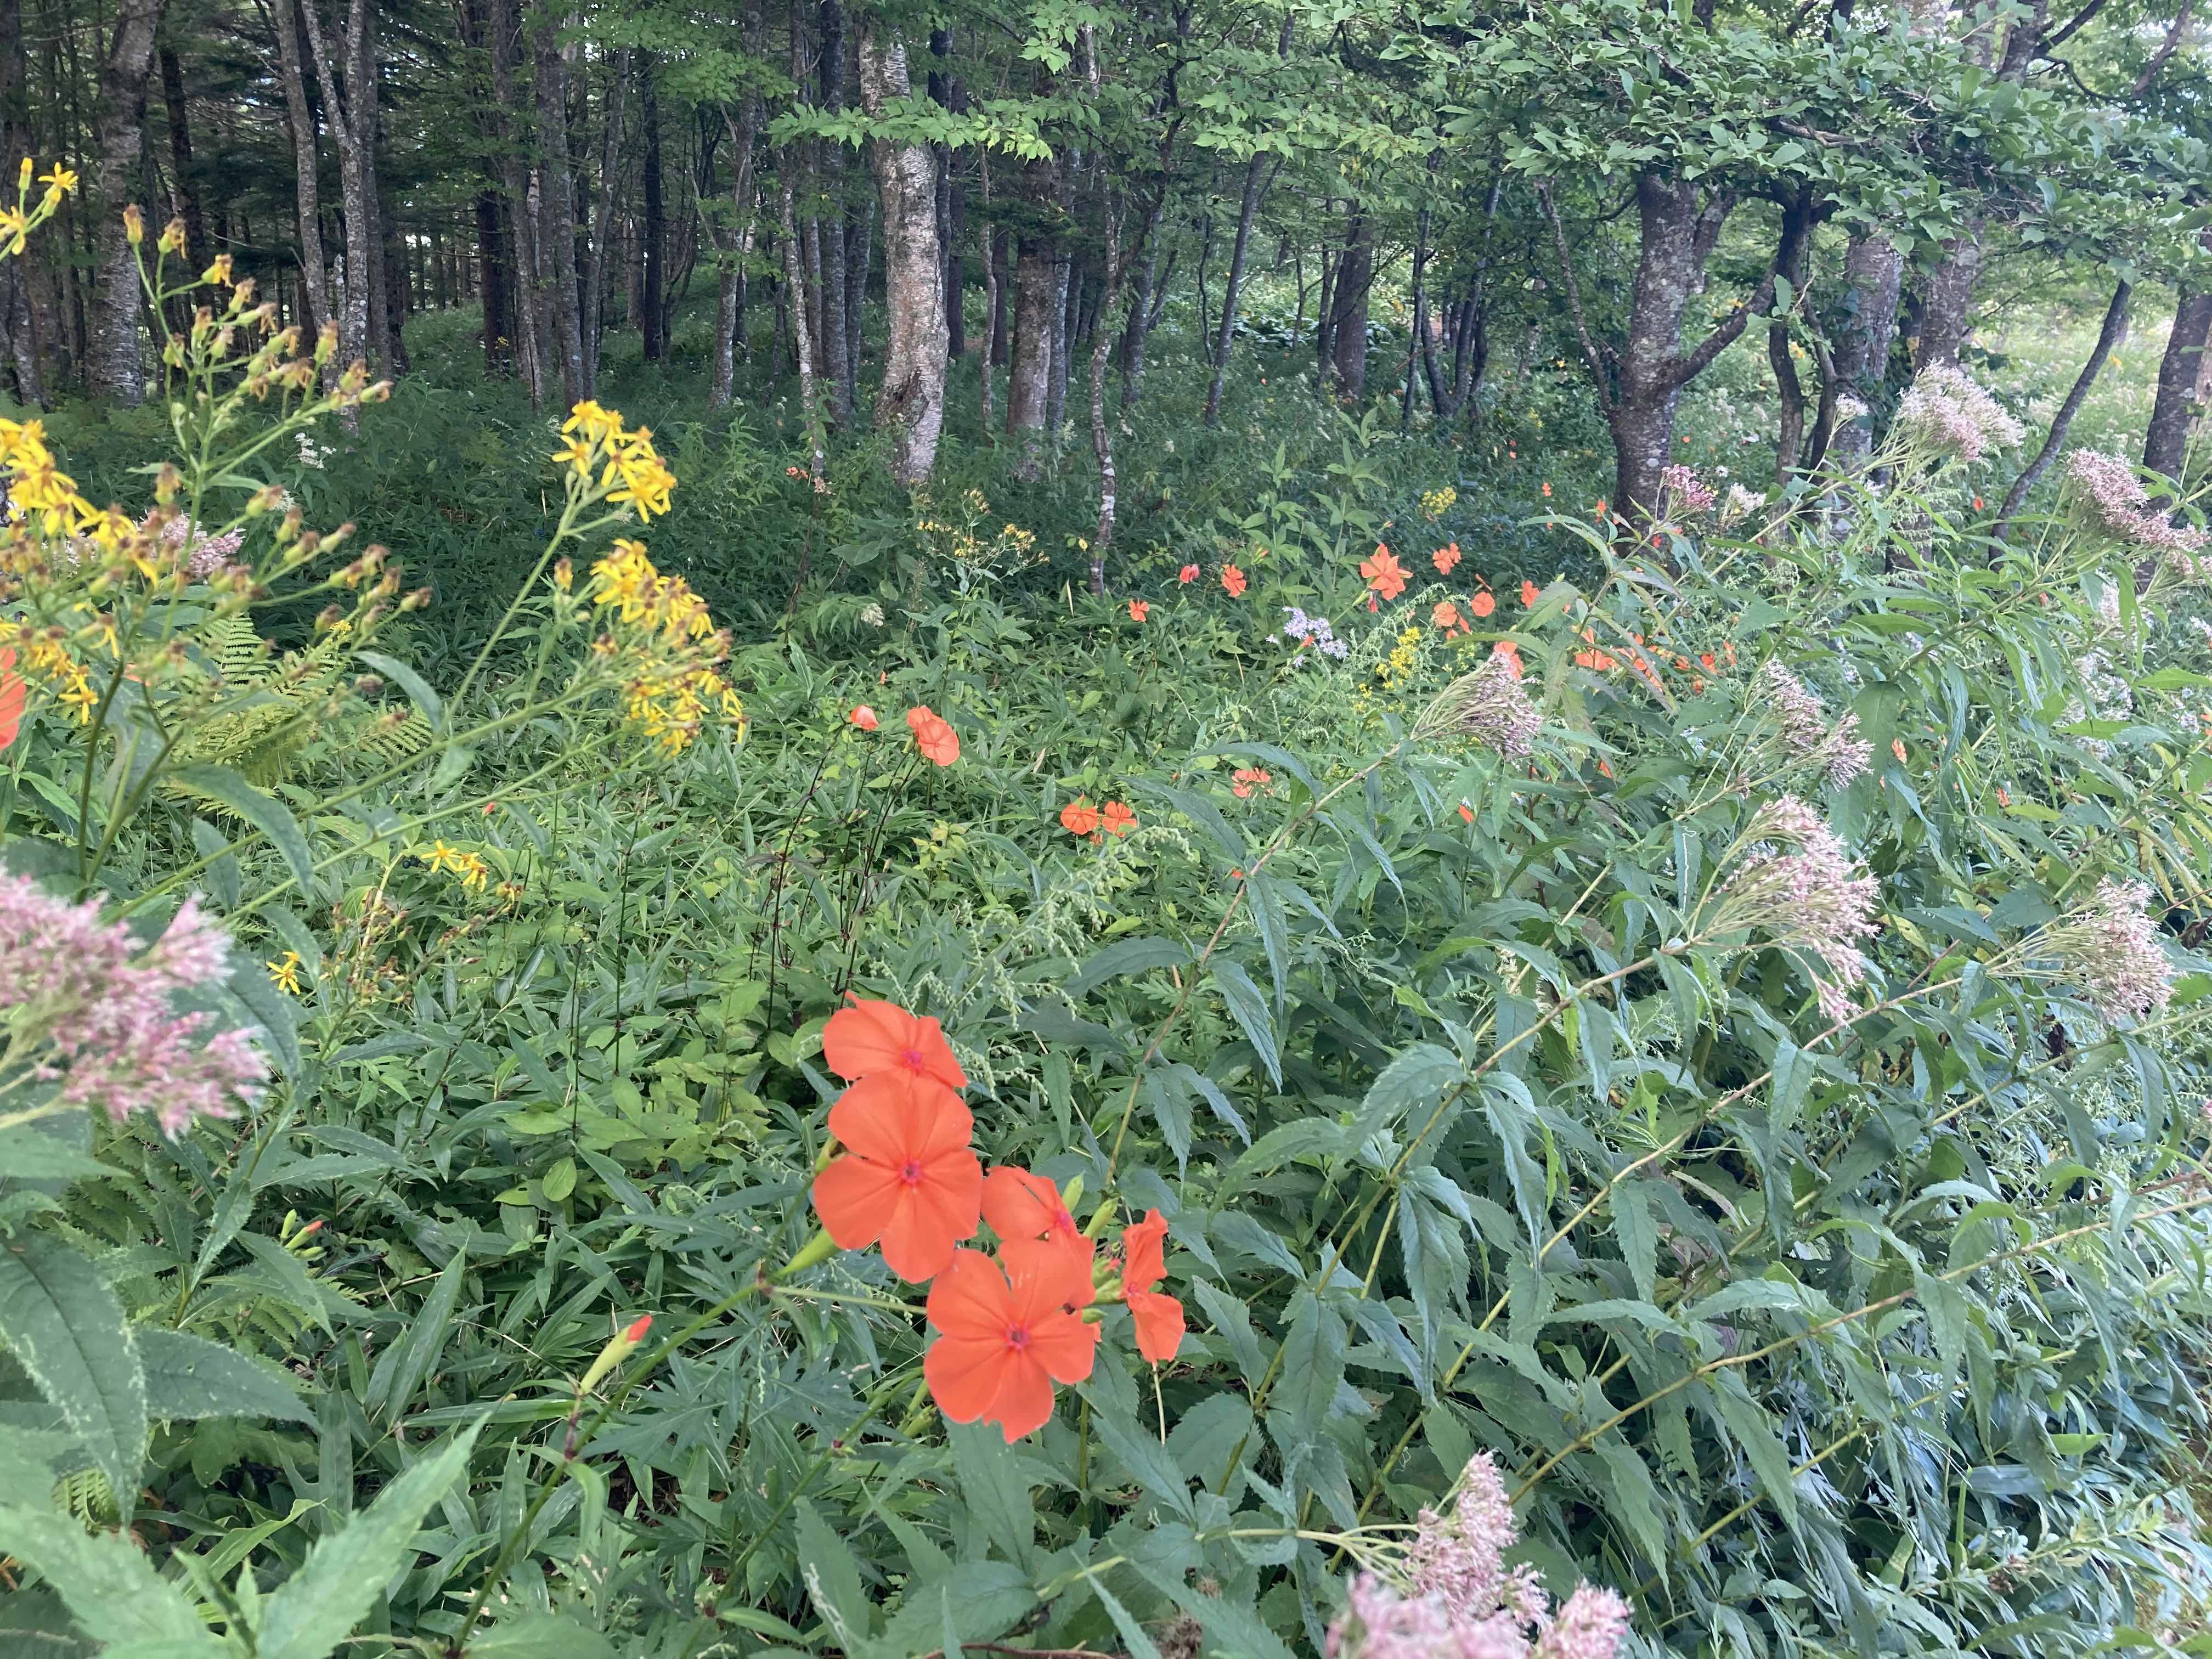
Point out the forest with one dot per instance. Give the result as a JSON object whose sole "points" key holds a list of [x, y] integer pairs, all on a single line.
{"points": [[1139, 830]]}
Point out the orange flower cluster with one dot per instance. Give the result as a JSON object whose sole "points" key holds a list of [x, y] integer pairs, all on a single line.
{"points": [[1246, 778], [1188, 574], [1079, 818], [1009, 1327], [1444, 558], [1233, 579], [1138, 609]]}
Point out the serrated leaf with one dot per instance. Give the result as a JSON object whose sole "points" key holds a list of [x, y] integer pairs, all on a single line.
{"points": [[346, 1570], [1249, 1010], [259, 808], [992, 1485], [62, 1324], [108, 1583], [189, 1377]]}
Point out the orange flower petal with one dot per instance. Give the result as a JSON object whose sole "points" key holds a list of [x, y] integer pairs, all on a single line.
{"points": [[868, 1037], [1020, 1204], [853, 1197], [964, 1374], [1144, 1252], [1159, 1323]]}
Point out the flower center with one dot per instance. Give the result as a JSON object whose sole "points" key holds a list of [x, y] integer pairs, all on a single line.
{"points": [[910, 1172], [911, 1059], [1017, 1338]]}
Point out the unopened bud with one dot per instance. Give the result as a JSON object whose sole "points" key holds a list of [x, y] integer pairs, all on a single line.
{"points": [[418, 600], [172, 237], [166, 483], [134, 224]]}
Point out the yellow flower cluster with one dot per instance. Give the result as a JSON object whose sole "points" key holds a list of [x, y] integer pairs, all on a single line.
{"points": [[469, 866], [37, 486], [628, 580], [44, 654], [664, 645], [1398, 667], [1435, 503], [611, 463]]}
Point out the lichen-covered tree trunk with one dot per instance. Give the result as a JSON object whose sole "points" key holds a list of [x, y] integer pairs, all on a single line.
{"points": [[1036, 324], [1873, 280], [910, 405], [1347, 317], [2180, 372], [116, 368], [556, 241]]}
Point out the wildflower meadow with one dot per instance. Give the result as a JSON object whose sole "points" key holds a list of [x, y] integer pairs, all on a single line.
{"points": [[1513, 960]]}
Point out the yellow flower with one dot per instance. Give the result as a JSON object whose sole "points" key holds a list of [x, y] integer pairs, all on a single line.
{"points": [[61, 180], [15, 229], [284, 973], [219, 272]]}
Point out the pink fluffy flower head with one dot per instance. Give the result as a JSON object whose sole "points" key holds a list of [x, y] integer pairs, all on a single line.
{"points": [[2111, 949], [1801, 887], [1946, 412], [92, 1010], [2116, 498], [1685, 492], [1811, 739]]}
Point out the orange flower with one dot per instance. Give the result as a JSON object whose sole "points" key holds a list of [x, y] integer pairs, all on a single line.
{"points": [[1446, 616], [13, 692], [933, 735], [1158, 1317], [1529, 594], [1119, 818], [1008, 1337], [1079, 818], [1483, 603], [1978, 503], [1706, 661], [1601, 508], [1594, 660], [1548, 489], [870, 1037], [1511, 653], [1383, 572], [1188, 574], [909, 1178], [2003, 799], [1022, 1205], [1138, 609], [864, 717], [1466, 813], [1233, 580], [1245, 779], [1897, 747], [1444, 558]]}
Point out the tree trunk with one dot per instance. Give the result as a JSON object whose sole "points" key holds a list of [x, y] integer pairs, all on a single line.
{"points": [[945, 91], [495, 256], [2166, 441], [1067, 292], [1874, 276], [602, 220], [2115, 321], [184, 180], [651, 318], [116, 366], [795, 278], [1232, 288], [1946, 316], [18, 319], [1355, 274], [1001, 261], [911, 403], [830, 234], [859, 237], [729, 312], [556, 188], [1037, 306], [352, 124], [1790, 438]]}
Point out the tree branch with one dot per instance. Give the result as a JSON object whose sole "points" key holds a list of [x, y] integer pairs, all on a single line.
{"points": [[1591, 355], [2116, 316]]}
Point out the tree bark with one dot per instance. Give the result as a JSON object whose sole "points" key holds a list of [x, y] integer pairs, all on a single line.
{"points": [[556, 190], [352, 124], [1790, 436], [2116, 320], [744, 134], [1946, 316], [1874, 278], [603, 220], [184, 178], [1036, 320], [651, 319], [1348, 326], [494, 255], [18, 319], [945, 91], [830, 234], [910, 405], [2166, 441], [116, 366]]}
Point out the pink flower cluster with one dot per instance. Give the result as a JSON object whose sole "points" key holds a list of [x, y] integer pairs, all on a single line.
{"points": [[1684, 491], [1812, 899], [203, 555], [1460, 1600], [1944, 409], [1807, 733], [2118, 500], [91, 1009], [2110, 946]]}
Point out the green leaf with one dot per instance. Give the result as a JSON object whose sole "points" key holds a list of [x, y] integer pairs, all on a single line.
{"points": [[833, 1581], [318, 1607], [418, 692], [1250, 1009], [977, 1600], [1750, 1428], [992, 1486], [189, 1377], [111, 1589], [259, 808], [62, 1325], [1141, 1454], [1313, 1364], [392, 1388], [1638, 1235], [1126, 956], [541, 1636]]}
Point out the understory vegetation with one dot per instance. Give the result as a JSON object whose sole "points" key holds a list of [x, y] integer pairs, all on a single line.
{"points": [[1274, 1016]]}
